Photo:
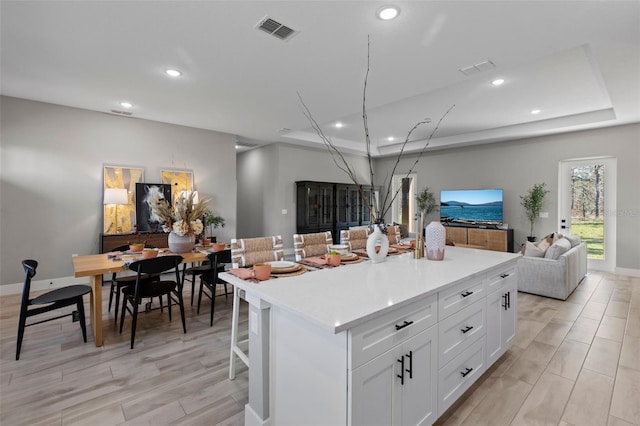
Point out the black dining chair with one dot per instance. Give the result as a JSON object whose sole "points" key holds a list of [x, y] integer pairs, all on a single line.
{"points": [[49, 301], [119, 282], [209, 280], [144, 288]]}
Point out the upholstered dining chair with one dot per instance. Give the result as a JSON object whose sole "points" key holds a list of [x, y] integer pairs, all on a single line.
{"points": [[49, 301], [247, 251], [394, 234], [355, 238], [143, 288], [119, 282], [209, 279], [314, 244]]}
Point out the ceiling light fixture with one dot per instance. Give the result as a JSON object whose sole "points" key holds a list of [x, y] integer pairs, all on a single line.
{"points": [[497, 81], [173, 73], [391, 138], [339, 125], [125, 104], [387, 13], [535, 111]]}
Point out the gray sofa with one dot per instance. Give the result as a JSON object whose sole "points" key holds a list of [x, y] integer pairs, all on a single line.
{"points": [[556, 278]]}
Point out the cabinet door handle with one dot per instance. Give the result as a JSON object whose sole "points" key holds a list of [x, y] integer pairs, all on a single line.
{"points": [[508, 299], [410, 369], [467, 329], [504, 275], [401, 375], [466, 293], [466, 372], [406, 324], [505, 305]]}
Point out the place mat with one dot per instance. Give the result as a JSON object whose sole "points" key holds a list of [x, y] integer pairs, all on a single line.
{"points": [[349, 257], [301, 271], [242, 273], [351, 262]]}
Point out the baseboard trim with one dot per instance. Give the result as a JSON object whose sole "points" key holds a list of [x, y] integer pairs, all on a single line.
{"points": [[628, 272]]}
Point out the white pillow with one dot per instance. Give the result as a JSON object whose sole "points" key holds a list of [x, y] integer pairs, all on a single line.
{"points": [[558, 248], [573, 239], [532, 250], [543, 245]]}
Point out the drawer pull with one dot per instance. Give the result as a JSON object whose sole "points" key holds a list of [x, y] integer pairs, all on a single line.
{"points": [[466, 372], [504, 275], [406, 324], [466, 293], [401, 375], [467, 329]]}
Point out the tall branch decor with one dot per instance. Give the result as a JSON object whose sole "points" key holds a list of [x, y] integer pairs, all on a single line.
{"points": [[378, 213]]}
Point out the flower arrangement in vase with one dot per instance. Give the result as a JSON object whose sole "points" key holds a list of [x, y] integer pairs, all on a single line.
{"points": [[182, 220]]}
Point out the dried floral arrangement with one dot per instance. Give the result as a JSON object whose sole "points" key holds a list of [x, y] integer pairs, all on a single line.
{"points": [[184, 217]]}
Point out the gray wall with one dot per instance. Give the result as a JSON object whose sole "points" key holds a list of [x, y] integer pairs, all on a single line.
{"points": [[266, 186], [515, 166], [51, 177]]}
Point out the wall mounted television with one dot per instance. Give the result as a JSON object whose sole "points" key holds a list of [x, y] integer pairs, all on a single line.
{"points": [[471, 207]]}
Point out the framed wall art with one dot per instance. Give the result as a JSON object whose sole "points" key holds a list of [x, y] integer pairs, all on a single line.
{"points": [[146, 220], [119, 213], [180, 180]]}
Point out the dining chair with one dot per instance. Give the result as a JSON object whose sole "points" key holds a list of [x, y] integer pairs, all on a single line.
{"points": [[119, 282], [49, 301], [247, 251], [209, 279], [313, 244], [355, 238], [394, 234], [144, 288]]}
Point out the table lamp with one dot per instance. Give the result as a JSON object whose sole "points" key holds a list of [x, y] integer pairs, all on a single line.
{"points": [[115, 196]]}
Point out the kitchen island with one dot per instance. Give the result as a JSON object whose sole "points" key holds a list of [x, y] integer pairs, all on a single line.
{"points": [[395, 342]]}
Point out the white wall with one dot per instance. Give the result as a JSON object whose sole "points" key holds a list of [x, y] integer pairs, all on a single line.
{"points": [[517, 165], [52, 159]]}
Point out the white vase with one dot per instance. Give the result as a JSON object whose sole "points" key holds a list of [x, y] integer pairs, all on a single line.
{"points": [[181, 243], [377, 245], [435, 239]]}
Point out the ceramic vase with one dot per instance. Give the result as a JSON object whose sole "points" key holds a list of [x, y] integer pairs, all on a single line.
{"points": [[435, 239], [377, 245], [181, 243]]}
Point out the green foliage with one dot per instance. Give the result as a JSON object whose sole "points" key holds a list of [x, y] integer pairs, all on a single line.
{"points": [[210, 219], [593, 234], [533, 201], [426, 201]]}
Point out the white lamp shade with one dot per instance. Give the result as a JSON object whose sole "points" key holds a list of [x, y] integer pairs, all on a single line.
{"points": [[115, 196]]}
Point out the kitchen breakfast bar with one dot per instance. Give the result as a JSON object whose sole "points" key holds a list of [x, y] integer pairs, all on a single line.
{"points": [[385, 343]]}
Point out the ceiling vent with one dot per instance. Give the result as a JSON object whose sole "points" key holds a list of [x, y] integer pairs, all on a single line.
{"points": [[476, 68], [275, 28], [115, 111]]}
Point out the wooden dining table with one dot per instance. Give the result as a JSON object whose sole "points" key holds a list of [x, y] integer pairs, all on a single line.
{"points": [[95, 265]]}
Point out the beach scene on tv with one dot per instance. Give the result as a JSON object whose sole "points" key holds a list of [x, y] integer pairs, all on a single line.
{"points": [[471, 207]]}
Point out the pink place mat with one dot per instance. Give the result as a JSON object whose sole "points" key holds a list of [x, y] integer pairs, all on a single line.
{"points": [[400, 246], [316, 260], [243, 273]]}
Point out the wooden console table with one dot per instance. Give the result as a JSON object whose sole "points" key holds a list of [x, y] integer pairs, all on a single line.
{"points": [[110, 241]]}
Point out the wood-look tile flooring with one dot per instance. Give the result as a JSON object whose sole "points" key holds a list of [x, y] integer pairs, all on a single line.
{"points": [[572, 363]]}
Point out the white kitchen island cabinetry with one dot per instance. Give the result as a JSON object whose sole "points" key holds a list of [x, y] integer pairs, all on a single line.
{"points": [[360, 344]]}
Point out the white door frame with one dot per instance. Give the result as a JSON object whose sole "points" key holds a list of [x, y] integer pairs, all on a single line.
{"points": [[610, 187], [412, 202]]}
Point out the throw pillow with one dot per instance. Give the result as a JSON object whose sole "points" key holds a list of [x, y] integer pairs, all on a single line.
{"points": [[532, 250], [573, 239], [557, 249], [543, 245]]}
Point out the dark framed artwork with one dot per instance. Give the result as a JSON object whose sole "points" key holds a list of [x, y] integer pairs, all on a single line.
{"points": [[145, 192]]}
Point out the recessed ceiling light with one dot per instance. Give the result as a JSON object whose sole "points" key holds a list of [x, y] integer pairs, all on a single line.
{"points": [[391, 138], [125, 104], [497, 81], [535, 111], [173, 73], [339, 125], [387, 13]]}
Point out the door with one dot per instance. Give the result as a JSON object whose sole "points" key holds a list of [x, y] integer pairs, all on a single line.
{"points": [[404, 204], [587, 191]]}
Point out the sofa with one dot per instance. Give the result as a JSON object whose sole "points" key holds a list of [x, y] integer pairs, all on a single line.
{"points": [[554, 267]]}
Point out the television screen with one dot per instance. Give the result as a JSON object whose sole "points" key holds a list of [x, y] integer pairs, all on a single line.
{"points": [[481, 207]]}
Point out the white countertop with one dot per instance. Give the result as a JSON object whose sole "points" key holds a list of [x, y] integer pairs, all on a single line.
{"points": [[340, 298]]}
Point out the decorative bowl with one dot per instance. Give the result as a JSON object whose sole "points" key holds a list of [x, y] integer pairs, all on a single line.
{"points": [[136, 247], [219, 246], [340, 248], [149, 253]]}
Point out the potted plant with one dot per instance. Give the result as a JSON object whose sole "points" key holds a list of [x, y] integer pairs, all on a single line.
{"points": [[532, 202], [212, 221], [426, 202]]}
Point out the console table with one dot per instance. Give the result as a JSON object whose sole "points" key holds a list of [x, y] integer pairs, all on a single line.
{"points": [[110, 241], [395, 342]]}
